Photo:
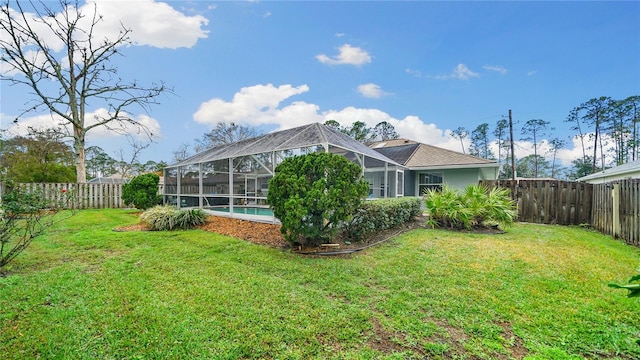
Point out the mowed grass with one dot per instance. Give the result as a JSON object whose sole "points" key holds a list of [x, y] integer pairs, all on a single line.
{"points": [[84, 291]]}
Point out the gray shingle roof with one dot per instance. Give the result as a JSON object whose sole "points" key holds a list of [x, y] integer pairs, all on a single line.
{"points": [[413, 154]]}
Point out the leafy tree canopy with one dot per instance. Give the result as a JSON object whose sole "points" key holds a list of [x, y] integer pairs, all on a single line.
{"points": [[41, 156]]}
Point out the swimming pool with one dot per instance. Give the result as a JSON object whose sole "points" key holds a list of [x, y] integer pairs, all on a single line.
{"points": [[246, 210]]}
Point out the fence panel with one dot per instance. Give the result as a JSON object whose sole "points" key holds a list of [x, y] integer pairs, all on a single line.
{"points": [[80, 196], [602, 213], [615, 213], [629, 215], [549, 201]]}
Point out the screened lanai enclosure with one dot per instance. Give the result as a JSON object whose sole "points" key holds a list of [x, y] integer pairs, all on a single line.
{"points": [[233, 179]]}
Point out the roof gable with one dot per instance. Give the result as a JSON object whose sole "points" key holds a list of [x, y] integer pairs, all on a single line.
{"points": [[303, 136], [413, 154]]}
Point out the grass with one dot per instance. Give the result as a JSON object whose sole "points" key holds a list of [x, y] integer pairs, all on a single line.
{"points": [[538, 292]]}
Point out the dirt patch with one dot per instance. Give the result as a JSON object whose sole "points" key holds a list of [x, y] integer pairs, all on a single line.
{"points": [[518, 350], [455, 339], [384, 341]]}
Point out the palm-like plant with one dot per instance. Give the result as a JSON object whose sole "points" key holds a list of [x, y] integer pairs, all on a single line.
{"points": [[476, 206]]}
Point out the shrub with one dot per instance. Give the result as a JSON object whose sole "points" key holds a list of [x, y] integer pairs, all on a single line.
{"points": [[312, 194], [475, 206], [189, 218], [25, 215], [378, 215], [166, 217], [160, 217], [142, 191]]}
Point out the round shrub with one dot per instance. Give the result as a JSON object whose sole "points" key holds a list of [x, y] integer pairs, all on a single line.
{"points": [[142, 191], [312, 194]]}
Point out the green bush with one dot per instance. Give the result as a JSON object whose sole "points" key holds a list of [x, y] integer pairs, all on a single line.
{"points": [[313, 194], [378, 215], [475, 206], [189, 218], [166, 217], [142, 191]]}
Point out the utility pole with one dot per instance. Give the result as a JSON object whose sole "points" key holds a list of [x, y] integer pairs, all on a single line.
{"points": [[513, 159]]}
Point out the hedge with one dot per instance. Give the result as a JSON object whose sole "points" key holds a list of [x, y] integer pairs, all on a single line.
{"points": [[382, 214]]}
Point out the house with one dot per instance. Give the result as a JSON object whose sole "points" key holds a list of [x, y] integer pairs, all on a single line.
{"points": [[111, 179], [630, 170], [429, 166], [233, 179]]}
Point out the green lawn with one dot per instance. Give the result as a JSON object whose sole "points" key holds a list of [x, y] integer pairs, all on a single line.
{"points": [[84, 291]]}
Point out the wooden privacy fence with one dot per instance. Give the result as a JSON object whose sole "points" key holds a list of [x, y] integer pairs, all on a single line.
{"points": [[611, 208], [79, 196], [615, 209], [549, 201]]}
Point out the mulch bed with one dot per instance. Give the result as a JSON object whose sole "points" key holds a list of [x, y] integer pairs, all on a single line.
{"points": [[269, 234]]}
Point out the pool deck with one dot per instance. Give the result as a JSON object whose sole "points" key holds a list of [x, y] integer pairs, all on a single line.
{"points": [[256, 218]]}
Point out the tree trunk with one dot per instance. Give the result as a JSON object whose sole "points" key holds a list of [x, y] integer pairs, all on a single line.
{"points": [[78, 147]]}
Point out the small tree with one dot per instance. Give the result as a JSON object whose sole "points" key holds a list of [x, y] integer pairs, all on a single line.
{"points": [[25, 215], [312, 194], [142, 191]]}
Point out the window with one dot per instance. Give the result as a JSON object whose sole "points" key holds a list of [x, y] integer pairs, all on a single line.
{"points": [[430, 181]]}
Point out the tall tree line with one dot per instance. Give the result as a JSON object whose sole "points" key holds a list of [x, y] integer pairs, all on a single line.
{"points": [[607, 130], [43, 156]]}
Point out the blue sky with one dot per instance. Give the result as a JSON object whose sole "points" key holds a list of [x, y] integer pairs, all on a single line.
{"points": [[425, 67]]}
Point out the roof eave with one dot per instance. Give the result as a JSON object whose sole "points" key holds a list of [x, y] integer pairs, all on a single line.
{"points": [[454, 166]]}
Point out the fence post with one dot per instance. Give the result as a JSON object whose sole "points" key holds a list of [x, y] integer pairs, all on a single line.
{"points": [[615, 194]]}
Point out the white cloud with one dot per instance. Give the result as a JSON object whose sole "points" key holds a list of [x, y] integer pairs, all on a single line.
{"points": [[371, 90], [339, 34], [348, 55], [460, 72], [264, 105], [152, 23], [497, 68], [48, 121], [412, 72], [251, 105], [531, 73]]}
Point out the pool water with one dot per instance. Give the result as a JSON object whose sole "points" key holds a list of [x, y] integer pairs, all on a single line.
{"points": [[247, 210]]}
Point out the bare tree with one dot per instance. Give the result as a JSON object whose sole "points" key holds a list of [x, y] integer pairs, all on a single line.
{"points": [[127, 166], [181, 153], [65, 86], [225, 133]]}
